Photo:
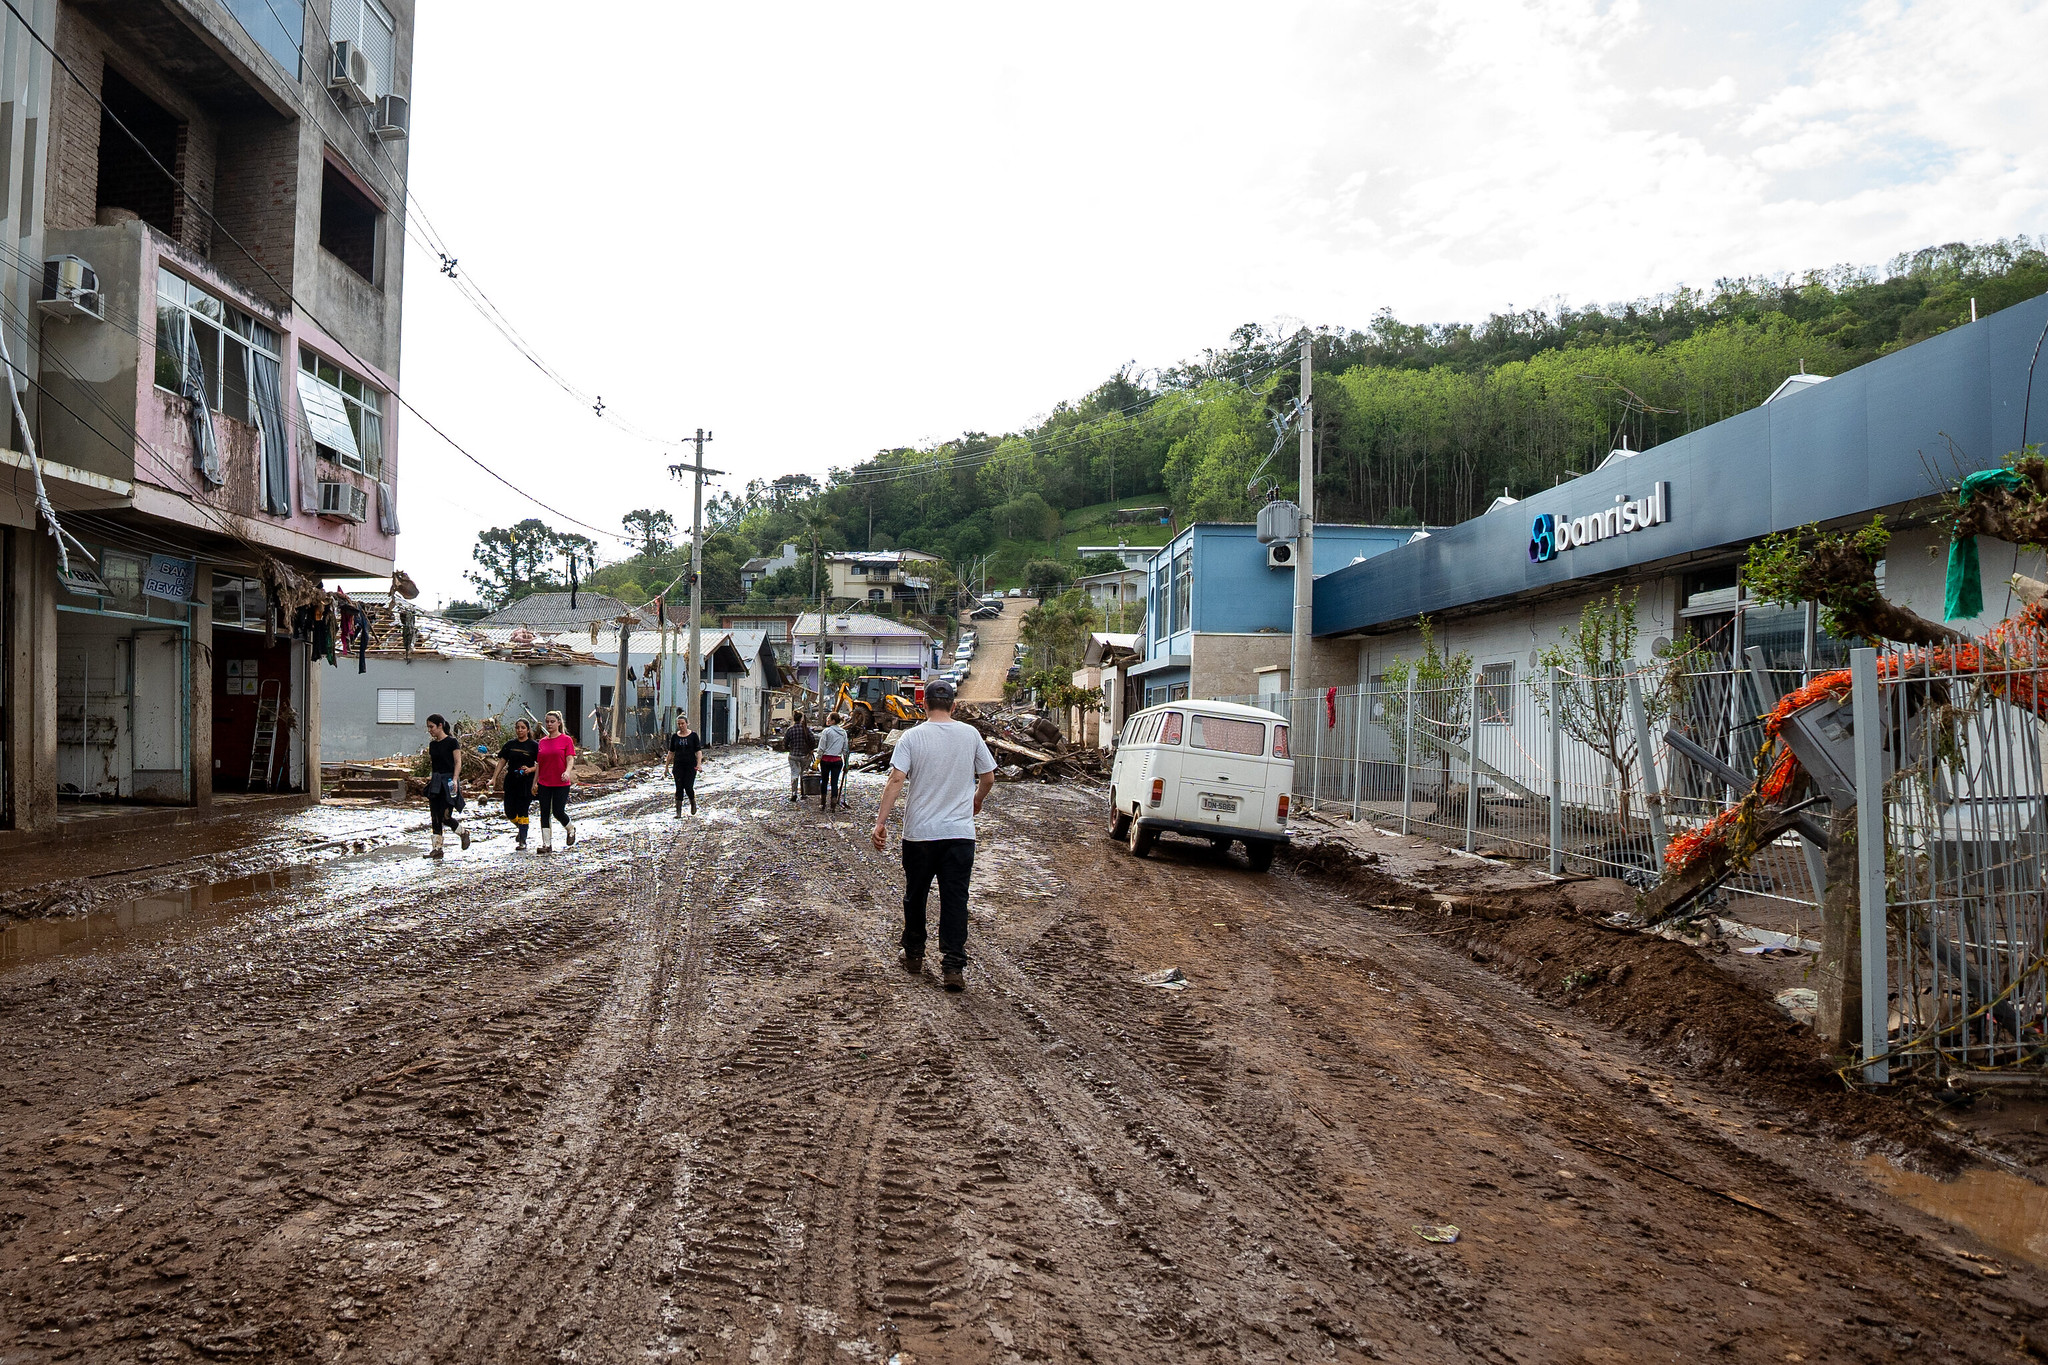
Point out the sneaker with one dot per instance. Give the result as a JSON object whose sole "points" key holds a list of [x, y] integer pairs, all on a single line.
{"points": [[955, 981], [463, 834], [913, 965]]}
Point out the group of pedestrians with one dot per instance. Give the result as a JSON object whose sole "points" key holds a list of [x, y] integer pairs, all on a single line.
{"points": [[531, 771], [941, 771], [829, 747]]}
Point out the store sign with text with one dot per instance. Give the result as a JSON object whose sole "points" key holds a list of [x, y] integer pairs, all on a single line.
{"points": [[1551, 535]]}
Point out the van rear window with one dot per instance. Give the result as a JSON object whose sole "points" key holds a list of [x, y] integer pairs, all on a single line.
{"points": [[1229, 736], [1171, 734], [1279, 741]]}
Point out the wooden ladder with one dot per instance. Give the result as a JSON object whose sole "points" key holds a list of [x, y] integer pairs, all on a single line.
{"points": [[263, 748]]}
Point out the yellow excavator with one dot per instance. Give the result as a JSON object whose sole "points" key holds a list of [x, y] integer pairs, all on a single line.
{"points": [[876, 701]]}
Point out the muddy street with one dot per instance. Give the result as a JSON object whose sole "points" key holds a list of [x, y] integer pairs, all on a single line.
{"points": [[669, 1095]]}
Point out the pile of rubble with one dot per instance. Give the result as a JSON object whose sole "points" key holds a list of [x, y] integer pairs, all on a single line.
{"points": [[1028, 743], [1025, 744]]}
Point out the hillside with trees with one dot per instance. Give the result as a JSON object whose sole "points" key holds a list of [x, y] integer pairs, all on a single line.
{"points": [[1414, 423]]}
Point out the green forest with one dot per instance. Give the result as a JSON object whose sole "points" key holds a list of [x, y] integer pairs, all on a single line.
{"points": [[1414, 424]]}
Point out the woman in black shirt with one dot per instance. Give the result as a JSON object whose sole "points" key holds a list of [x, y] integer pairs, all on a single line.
{"points": [[518, 758], [684, 748], [444, 788]]}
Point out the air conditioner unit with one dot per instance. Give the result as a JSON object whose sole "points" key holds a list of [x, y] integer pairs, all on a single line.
{"points": [[344, 501], [1280, 555], [392, 118], [71, 289], [351, 76]]}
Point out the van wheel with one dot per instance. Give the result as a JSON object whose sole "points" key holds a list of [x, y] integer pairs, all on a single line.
{"points": [[1140, 839], [1259, 854], [1119, 821]]}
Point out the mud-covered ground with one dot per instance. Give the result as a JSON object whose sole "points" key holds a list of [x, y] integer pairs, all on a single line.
{"points": [[669, 1095]]}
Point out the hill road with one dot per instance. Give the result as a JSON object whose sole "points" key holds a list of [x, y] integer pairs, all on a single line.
{"points": [[995, 649], [668, 1095]]}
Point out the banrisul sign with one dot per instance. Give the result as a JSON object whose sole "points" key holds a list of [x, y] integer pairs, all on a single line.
{"points": [[1551, 535]]}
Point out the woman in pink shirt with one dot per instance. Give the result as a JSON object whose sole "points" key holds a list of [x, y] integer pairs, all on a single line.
{"points": [[552, 782]]}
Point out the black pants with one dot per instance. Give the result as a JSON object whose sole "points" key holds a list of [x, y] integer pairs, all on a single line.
{"points": [[554, 801], [829, 770], [686, 786], [440, 805], [952, 862], [518, 801]]}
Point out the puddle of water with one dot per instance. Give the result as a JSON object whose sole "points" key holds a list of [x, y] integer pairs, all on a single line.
{"points": [[121, 923], [2001, 1209]]}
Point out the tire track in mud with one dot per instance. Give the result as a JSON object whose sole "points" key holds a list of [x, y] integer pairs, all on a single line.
{"points": [[560, 1219], [1111, 1134]]}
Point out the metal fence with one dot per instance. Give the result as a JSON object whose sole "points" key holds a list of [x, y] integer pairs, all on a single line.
{"points": [[1548, 769], [1577, 774], [1956, 769]]}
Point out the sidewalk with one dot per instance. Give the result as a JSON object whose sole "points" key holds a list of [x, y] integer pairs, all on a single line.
{"points": [[93, 840]]}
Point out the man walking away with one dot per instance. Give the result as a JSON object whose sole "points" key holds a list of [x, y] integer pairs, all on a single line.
{"points": [[950, 772], [832, 747], [444, 791], [802, 744], [684, 748]]}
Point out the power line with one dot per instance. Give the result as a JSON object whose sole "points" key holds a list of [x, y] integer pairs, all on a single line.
{"points": [[283, 288]]}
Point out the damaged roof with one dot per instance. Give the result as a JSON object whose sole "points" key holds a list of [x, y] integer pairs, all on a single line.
{"points": [[550, 611]]}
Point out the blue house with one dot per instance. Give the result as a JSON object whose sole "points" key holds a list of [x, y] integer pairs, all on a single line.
{"points": [[1218, 612]]}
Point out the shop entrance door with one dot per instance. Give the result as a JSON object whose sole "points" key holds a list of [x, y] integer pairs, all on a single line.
{"points": [[159, 715]]}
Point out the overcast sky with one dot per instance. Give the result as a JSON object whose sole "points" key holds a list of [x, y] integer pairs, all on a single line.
{"points": [[822, 230]]}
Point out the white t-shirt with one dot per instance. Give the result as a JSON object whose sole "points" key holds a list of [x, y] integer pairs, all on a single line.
{"points": [[832, 742], [942, 760]]}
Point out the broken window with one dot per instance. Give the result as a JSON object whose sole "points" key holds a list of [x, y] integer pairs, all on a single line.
{"points": [[344, 416], [350, 224], [231, 345], [137, 172]]}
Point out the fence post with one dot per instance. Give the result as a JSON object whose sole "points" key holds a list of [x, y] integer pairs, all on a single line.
{"points": [[1357, 752], [1472, 761], [1653, 790], [1408, 754], [1315, 772], [1867, 710], [1556, 773]]}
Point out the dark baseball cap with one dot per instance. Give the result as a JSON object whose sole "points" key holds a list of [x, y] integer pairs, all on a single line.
{"points": [[939, 694]]}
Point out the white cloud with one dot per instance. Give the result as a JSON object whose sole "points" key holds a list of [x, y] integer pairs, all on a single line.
{"points": [[820, 230]]}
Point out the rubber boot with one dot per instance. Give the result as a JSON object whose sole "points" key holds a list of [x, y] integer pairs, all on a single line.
{"points": [[547, 839], [568, 835], [462, 833], [519, 826]]}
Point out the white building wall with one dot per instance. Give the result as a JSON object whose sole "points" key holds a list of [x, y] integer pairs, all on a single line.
{"points": [[460, 689]]}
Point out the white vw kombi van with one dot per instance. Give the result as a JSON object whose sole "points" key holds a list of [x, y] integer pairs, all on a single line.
{"points": [[1206, 770]]}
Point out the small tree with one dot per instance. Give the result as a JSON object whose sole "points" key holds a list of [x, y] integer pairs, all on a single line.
{"points": [[1047, 573], [1443, 697], [1596, 656], [653, 530]]}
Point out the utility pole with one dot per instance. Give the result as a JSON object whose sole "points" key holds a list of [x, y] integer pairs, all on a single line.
{"points": [[693, 670], [1304, 553]]}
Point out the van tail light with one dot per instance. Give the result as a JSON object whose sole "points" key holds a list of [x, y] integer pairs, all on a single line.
{"points": [[1283, 808], [1158, 790]]}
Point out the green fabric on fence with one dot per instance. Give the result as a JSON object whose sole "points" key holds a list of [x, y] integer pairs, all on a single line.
{"points": [[1963, 595]]}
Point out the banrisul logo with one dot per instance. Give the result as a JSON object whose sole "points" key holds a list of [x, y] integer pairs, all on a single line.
{"points": [[1550, 537]]}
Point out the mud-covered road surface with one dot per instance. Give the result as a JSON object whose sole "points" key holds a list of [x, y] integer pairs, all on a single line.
{"points": [[668, 1095]]}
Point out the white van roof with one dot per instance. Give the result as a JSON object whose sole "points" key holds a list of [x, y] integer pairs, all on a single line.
{"points": [[1235, 710]]}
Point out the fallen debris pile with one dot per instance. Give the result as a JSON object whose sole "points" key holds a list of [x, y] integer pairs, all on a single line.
{"points": [[1028, 744]]}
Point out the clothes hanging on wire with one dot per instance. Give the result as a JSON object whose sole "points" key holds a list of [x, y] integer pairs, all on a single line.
{"points": [[362, 639]]}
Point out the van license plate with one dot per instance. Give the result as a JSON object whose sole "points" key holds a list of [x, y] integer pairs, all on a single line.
{"points": [[1225, 804]]}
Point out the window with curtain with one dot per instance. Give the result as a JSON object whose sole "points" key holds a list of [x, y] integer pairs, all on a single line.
{"points": [[330, 397], [225, 338]]}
